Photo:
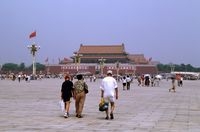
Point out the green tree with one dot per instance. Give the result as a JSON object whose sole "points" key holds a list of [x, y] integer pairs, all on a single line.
{"points": [[10, 67], [181, 67], [21, 67], [163, 68], [190, 68], [39, 67]]}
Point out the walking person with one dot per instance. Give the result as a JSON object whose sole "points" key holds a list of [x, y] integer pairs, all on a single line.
{"points": [[66, 94], [109, 92], [181, 82], [79, 95], [128, 82], [139, 79], [19, 77], [173, 85], [124, 82]]}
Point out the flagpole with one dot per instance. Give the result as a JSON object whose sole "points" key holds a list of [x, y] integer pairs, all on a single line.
{"points": [[34, 68], [33, 48], [47, 65]]}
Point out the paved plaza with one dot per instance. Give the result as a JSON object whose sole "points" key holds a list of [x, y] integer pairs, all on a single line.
{"points": [[33, 107]]}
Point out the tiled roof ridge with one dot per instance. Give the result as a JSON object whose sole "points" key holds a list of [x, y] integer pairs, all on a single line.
{"points": [[101, 49], [110, 45]]}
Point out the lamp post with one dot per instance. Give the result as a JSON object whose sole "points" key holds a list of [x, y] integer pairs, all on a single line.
{"points": [[77, 59], [172, 66], [101, 61], [33, 48], [117, 66]]}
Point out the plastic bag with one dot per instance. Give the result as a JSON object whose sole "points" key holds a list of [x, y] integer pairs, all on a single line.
{"points": [[61, 105]]}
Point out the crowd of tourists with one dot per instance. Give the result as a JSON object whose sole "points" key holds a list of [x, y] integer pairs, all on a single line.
{"points": [[78, 89]]}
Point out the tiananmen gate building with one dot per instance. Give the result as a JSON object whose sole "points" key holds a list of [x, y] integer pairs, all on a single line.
{"points": [[97, 59]]}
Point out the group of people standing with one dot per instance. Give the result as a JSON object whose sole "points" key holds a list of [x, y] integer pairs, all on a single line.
{"points": [[179, 82], [148, 80], [126, 81], [77, 90]]}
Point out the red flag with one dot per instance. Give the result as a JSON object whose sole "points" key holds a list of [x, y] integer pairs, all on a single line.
{"points": [[33, 34]]}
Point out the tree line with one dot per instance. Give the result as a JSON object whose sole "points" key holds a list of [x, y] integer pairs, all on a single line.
{"points": [[166, 68], [12, 67]]}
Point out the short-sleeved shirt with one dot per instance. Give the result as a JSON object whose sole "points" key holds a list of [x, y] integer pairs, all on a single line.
{"points": [[128, 79], [79, 86], [67, 87], [108, 85], [123, 80]]}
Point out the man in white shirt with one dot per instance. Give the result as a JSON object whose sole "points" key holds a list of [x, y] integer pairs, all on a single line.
{"points": [[128, 82], [109, 91]]}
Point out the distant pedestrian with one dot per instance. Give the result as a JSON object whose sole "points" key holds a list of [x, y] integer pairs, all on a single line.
{"points": [[147, 80], [173, 85], [128, 82], [66, 94], [80, 95], [181, 82], [178, 78], [29, 78], [13, 77], [139, 79], [152, 81], [94, 78], [142, 80], [26, 77], [109, 91], [19, 77], [91, 77], [124, 82]]}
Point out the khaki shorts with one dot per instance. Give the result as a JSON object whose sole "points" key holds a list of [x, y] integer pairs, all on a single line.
{"points": [[109, 99]]}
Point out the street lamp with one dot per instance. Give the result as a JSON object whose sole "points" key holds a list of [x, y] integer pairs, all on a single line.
{"points": [[33, 48], [77, 60], [101, 61], [117, 66], [172, 66]]}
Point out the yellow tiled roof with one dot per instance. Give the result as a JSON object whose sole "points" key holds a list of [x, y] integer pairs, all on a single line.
{"points": [[101, 49]]}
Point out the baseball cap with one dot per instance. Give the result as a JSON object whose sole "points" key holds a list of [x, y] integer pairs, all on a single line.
{"points": [[109, 72]]}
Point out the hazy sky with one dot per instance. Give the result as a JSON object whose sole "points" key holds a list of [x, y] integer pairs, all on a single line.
{"points": [[166, 30]]}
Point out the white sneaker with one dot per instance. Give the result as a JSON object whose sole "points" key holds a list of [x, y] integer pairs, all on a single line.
{"points": [[65, 115]]}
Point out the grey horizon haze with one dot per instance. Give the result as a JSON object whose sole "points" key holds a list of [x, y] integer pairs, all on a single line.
{"points": [[166, 30]]}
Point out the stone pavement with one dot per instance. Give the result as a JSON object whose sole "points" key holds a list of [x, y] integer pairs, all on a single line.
{"points": [[33, 107]]}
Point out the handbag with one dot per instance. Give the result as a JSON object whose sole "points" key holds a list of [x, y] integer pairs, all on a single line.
{"points": [[61, 105], [85, 89], [103, 106]]}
